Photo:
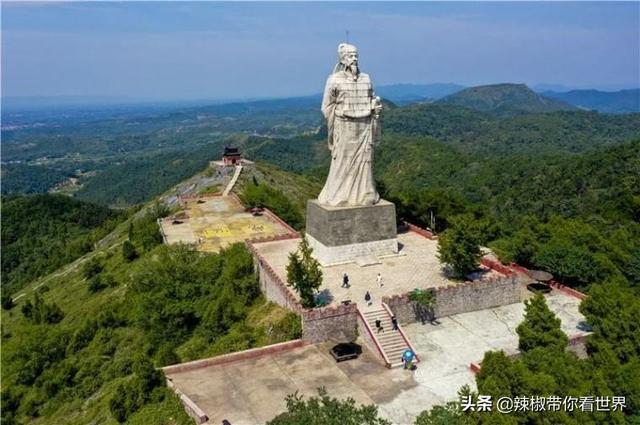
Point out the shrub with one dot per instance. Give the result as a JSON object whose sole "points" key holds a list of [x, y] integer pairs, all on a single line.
{"points": [[7, 301], [37, 311], [92, 268]]}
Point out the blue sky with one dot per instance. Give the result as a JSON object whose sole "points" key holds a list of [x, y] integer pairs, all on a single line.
{"points": [[183, 50]]}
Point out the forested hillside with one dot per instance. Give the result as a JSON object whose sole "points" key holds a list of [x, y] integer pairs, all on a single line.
{"points": [[476, 132], [82, 344], [618, 102], [43, 232]]}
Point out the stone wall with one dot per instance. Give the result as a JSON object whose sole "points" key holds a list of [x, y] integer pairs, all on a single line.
{"points": [[460, 298], [330, 323], [272, 286]]}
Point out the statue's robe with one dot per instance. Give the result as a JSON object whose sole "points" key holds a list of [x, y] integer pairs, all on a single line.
{"points": [[352, 131]]}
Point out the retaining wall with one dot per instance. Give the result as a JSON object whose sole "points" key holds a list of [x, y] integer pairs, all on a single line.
{"points": [[460, 298], [330, 323]]}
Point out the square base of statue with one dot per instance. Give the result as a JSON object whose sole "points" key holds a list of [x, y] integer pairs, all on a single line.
{"points": [[345, 234]]}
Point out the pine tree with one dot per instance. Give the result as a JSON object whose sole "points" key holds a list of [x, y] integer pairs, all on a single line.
{"points": [[540, 327], [304, 273]]}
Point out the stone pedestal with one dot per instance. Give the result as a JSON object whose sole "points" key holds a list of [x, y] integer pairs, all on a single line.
{"points": [[345, 234]]}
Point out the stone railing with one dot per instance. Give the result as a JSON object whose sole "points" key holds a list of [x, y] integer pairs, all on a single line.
{"points": [[273, 216], [234, 357], [569, 291], [497, 266], [273, 238], [190, 407], [553, 283], [419, 230]]}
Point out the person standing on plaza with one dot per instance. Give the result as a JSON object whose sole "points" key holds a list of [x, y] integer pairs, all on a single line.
{"points": [[345, 281], [379, 280], [367, 298]]}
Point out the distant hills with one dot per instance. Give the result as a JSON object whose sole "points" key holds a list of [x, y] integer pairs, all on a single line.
{"points": [[403, 94], [618, 102], [505, 100]]}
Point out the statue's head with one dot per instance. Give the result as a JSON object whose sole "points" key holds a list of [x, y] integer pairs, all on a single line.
{"points": [[347, 58], [347, 54]]}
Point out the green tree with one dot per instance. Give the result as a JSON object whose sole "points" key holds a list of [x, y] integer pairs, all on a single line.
{"points": [[129, 252], [304, 273], [540, 327], [459, 246], [326, 410]]}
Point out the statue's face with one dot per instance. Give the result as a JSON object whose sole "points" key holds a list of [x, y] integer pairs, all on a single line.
{"points": [[350, 58]]}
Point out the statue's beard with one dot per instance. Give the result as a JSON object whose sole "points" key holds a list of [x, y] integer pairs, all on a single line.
{"points": [[353, 69]]}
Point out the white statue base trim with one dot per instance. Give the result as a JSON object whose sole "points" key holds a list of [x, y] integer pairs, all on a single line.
{"points": [[335, 255]]}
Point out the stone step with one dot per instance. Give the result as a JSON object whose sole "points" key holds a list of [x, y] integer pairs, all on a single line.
{"points": [[392, 347], [389, 336], [390, 341], [372, 313], [394, 351], [382, 319], [395, 355], [384, 341]]}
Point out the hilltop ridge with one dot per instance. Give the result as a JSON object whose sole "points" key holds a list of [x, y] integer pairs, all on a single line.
{"points": [[505, 100]]}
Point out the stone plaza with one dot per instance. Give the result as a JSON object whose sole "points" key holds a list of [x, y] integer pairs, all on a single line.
{"points": [[415, 266], [214, 222]]}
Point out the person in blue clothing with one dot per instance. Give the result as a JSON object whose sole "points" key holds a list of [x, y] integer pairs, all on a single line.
{"points": [[407, 359]]}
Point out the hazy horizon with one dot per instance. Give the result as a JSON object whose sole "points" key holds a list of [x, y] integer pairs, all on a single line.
{"points": [[237, 51]]}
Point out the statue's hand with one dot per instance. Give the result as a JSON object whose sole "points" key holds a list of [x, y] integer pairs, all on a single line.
{"points": [[377, 105]]}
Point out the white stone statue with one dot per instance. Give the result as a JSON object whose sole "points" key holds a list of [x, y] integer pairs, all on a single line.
{"points": [[352, 112]]}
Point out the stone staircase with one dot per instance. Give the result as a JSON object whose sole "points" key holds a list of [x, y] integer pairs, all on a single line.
{"points": [[233, 181], [393, 343]]}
